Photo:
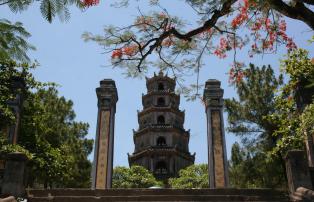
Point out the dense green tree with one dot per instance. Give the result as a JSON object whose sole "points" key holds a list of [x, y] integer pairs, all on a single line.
{"points": [[247, 119], [11, 71], [294, 103], [271, 120], [236, 174], [134, 177], [250, 168], [246, 116], [57, 142], [194, 176]]}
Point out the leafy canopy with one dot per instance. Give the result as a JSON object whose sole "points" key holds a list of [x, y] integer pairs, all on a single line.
{"points": [[249, 167], [11, 72], [247, 119], [49, 8], [13, 44], [134, 177], [271, 118], [294, 103], [57, 142], [256, 91], [54, 142], [194, 176]]}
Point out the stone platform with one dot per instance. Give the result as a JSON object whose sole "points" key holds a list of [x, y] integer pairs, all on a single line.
{"points": [[87, 195]]}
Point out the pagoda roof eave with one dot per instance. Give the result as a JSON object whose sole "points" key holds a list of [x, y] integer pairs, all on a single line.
{"points": [[161, 109], [163, 129], [167, 150]]}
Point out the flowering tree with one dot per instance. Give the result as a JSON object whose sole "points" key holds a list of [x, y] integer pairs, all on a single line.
{"points": [[219, 30]]}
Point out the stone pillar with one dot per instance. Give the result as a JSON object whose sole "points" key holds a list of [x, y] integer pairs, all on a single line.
{"points": [[16, 104], [14, 175], [217, 155], [309, 146], [103, 155], [297, 171]]}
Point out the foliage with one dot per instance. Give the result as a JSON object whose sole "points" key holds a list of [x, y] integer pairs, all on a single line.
{"points": [[10, 72], [194, 176], [307, 121], [275, 115], [299, 67], [249, 168], [134, 177], [13, 44], [247, 119], [49, 8], [10, 148], [246, 116], [57, 142], [292, 120], [287, 120], [220, 28]]}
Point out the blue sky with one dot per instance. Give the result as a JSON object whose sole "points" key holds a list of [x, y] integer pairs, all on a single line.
{"points": [[79, 66]]}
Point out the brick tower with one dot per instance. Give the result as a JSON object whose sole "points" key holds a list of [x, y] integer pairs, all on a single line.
{"points": [[161, 142]]}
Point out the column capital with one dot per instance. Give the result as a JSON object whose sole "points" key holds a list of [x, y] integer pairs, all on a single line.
{"points": [[213, 93], [107, 94]]}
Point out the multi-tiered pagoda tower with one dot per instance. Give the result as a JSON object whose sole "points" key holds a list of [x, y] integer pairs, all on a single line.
{"points": [[161, 142]]}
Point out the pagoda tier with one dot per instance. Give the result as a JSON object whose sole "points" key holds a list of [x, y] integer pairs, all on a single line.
{"points": [[161, 142]]}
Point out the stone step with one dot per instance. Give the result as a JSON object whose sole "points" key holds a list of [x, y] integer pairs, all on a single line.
{"points": [[155, 198], [223, 195], [134, 192]]}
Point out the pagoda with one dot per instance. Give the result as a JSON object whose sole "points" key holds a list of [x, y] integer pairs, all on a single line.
{"points": [[161, 142]]}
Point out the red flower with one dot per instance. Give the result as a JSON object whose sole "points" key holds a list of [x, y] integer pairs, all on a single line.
{"points": [[167, 42], [116, 54], [282, 26], [236, 73], [242, 16], [130, 50], [90, 2]]}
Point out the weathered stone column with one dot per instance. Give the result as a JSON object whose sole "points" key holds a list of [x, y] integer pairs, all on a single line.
{"points": [[309, 148], [217, 155], [16, 104], [297, 171], [103, 155], [14, 175]]}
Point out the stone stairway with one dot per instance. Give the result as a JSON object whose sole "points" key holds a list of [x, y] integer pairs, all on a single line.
{"points": [[223, 195]]}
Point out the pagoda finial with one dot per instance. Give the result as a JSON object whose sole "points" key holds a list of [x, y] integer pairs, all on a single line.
{"points": [[160, 73]]}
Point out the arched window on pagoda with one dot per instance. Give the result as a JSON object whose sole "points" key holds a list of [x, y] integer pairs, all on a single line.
{"points": [[161, 168], [161, 141], [161, 119], [161, 101], [161, 86]]}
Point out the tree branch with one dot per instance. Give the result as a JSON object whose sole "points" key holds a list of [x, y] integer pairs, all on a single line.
{"points": [[226, 8], [299, 11], [3, 3], [310, 2]]}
